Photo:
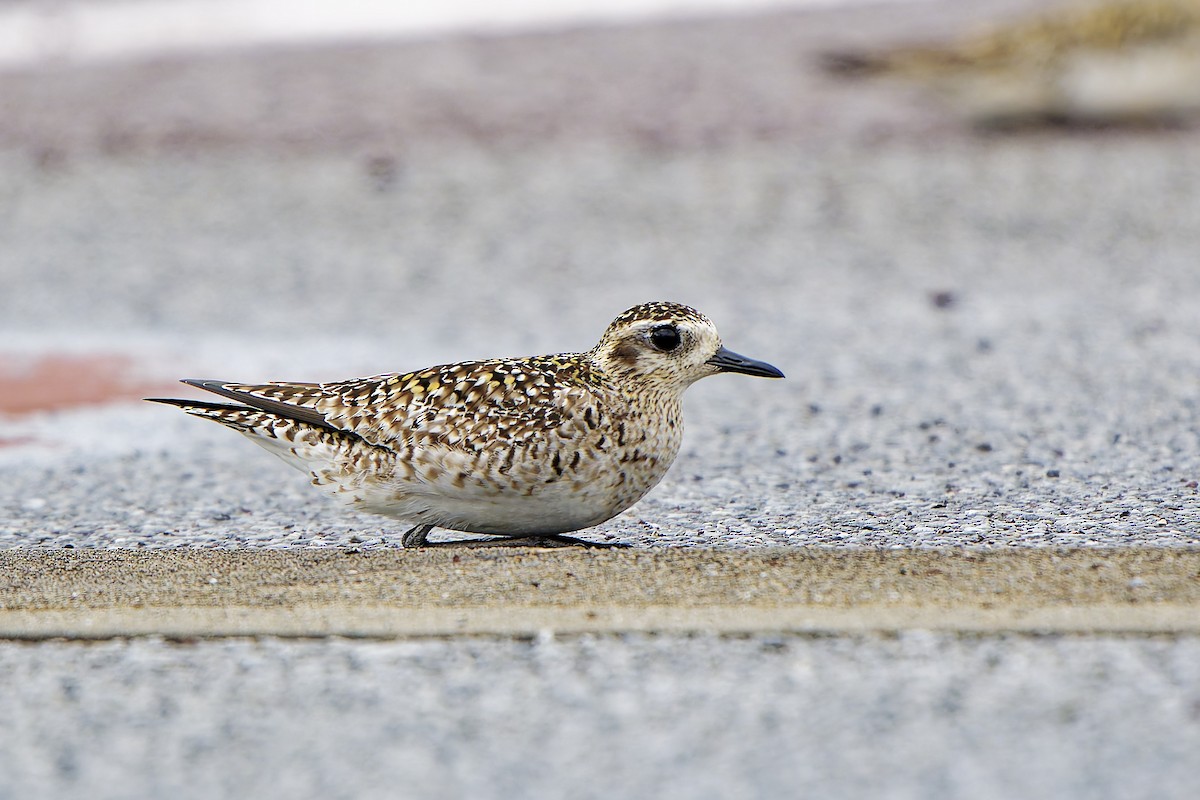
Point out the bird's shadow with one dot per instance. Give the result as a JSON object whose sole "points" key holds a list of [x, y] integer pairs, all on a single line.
{"points": [[555, 540]]}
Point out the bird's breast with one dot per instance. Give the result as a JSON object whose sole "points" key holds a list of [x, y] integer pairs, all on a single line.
{"points": [[553, 483]]}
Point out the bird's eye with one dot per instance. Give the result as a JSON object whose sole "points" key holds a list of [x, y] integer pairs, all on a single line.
{"points": [[665, 337]]}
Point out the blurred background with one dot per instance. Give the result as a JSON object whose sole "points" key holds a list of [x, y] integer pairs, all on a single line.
{"points": [[966, 231], [980, 216], [974, 216], [404, 182]]}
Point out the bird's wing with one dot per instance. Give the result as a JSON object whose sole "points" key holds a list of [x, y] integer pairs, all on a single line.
{"points": [[463, 406], [289, 400]]}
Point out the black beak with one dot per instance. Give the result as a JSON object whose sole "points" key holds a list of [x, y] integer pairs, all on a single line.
{"points": [[728, 361]]}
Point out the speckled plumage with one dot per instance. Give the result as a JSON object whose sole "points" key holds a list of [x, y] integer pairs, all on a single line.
{"points": [[531, 446]]}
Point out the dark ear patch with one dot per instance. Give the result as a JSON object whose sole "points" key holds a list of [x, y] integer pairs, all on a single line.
{"points": [[626, 353]]}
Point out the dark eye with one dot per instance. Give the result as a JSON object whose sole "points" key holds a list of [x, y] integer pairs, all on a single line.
{"points": [[665, 337]]}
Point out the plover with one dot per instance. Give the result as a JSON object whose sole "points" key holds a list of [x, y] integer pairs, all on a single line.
{"points": [[1114, 61], [520, 447]]}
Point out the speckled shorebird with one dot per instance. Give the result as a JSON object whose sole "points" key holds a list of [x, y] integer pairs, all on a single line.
{"points": [[512, 447]]}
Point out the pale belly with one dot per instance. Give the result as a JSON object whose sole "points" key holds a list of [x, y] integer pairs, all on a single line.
{"points": [[556, 508], [503, 514], [533, 500], [550, 487]]}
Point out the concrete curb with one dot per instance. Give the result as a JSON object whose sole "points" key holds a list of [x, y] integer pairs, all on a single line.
{"points": [[524, 591]]}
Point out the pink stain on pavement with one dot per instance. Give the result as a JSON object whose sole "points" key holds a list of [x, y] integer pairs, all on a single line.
{"points": [[57, 382]]}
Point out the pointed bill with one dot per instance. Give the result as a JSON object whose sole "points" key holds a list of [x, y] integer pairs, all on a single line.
{"points": [[728, 361]]}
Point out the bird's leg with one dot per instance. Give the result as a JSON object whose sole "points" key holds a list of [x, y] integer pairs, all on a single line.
{"points": [[416, 535]]}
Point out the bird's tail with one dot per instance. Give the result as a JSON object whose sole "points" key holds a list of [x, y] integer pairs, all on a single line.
{"points": [[241, 418], [319, 451]]}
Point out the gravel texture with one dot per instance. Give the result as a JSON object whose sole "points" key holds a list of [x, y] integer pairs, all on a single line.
{"points": [[989, 341], [916, 716], [1053, 401]]}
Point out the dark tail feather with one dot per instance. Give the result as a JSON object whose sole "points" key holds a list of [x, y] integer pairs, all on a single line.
{"points": [[225, 413], [286, 410], [250, 413], [200, 404]]}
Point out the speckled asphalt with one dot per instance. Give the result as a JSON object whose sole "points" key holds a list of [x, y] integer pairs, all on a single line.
{"points": [[989, 341], [1054, 401], [919, 715]]}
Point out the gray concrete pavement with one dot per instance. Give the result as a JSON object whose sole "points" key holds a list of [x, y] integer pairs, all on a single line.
{"points": [[918, 715], [991, 342], [1051, 398], [1053, 403]]}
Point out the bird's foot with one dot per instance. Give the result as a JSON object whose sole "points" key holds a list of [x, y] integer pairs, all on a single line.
{"points": [[416, 536]]}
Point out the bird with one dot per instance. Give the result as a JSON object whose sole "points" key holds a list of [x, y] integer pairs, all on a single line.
{"points": [[516, 448], [1107, 62]]}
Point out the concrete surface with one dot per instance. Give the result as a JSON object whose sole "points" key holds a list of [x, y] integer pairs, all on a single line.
{"points": [[990, 342], [523, 591], [920, 715], [1054, 402]]}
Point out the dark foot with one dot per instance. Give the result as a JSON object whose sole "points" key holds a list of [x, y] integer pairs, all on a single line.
{"points": [[416, 536]]}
